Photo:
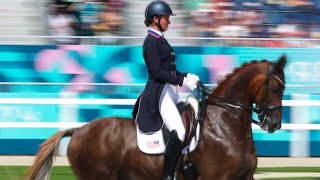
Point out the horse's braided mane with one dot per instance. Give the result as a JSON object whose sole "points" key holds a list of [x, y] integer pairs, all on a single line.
{"points": [[237, 69]]}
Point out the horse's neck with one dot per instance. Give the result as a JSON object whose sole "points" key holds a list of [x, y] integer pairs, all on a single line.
{"points": [[233, 113], [235, 91]]}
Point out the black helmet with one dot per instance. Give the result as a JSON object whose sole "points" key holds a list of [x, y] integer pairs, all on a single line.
{"points": [[156, 8]]}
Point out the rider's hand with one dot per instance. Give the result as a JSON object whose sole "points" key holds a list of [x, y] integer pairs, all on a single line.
{"points": [[191, 81], [193, 76]]}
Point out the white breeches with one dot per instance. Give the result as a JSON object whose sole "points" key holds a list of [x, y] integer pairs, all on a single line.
{"points": [[169, 111]]}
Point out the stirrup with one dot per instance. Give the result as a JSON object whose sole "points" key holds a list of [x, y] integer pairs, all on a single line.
{"points": [[169, 178]]}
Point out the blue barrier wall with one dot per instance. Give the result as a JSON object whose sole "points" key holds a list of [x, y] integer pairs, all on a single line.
{"points": [[124, 64]]}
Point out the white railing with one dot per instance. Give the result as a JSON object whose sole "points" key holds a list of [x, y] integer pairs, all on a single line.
{"points": [[67, 125], [137, 40], [93, 101], [142, 37]]}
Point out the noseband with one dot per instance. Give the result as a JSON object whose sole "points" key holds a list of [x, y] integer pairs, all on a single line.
{"points": [[262, 111]]}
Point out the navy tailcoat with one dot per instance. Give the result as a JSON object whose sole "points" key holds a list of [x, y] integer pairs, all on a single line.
{"points": [[159, 58]]}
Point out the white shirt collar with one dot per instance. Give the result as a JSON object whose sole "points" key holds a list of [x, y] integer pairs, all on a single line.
{"points": [[156, 31]]}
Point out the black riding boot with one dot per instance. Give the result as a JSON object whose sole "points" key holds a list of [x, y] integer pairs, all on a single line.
{"points": [[172, 155]]}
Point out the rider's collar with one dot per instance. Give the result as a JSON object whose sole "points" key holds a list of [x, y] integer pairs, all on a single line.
{"points": [[155, 31]]}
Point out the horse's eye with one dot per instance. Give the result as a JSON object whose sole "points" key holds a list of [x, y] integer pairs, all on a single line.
{"points": [[275, 88]]}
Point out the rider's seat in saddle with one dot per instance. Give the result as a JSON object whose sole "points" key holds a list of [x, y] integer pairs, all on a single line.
{"points": [[155, 143]]}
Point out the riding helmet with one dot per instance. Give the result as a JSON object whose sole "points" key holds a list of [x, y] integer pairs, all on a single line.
{"points": [[156, 8]]}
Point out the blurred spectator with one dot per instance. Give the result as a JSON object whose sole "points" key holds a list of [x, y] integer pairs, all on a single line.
{"points": [[276, 2], [192, 4], [253, 18], [91, 18], [249, 4], [258, 31], [314, 31], [232, 29], [201, 24], [61, 23], [290, 29], [202, 18], [110, 21], [299, 2], [223, 4], [87, 13], [116, 5]]}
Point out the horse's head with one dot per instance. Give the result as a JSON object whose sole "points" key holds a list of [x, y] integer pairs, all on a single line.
{"points": [[268, 88]]}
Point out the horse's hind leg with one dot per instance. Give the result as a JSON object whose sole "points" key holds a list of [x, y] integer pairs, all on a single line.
{"points": [[85, 167]]}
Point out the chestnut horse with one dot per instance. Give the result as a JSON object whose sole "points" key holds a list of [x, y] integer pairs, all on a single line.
{"points": [[106, 148]]}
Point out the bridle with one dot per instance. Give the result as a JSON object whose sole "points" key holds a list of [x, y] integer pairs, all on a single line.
{"points": [[263, 110]]}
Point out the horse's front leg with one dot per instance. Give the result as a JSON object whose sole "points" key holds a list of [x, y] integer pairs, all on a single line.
{"points": [[250, 176]]}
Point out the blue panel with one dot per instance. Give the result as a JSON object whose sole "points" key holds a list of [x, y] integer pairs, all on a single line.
{"points": [[314, 148], [19, 146], [188, 50], [272, 148]]}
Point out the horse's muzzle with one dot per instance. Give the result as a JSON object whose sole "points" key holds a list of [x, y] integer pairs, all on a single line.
{"points": [[270, 125]]}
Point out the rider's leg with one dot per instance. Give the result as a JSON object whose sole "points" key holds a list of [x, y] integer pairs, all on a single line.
{"points": [[173, 122], [169, 111], [171, 156]]}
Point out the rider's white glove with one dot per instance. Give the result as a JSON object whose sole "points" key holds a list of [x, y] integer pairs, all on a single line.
{"points": [[193, 76], [191, 81]]}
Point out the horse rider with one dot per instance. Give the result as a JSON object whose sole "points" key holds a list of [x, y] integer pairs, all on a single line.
{"points": [[157, 102]]}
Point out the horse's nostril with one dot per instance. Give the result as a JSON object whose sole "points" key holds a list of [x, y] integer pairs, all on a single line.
{"points": [[275, 126]]}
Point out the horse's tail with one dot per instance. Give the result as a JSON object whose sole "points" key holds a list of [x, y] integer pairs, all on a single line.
{"points": [[41, 167]]}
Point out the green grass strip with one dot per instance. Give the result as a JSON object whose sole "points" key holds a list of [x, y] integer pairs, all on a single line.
{"points": [[288, 169], [291, 178], [24, 169], [65, 172], [19, 173]]}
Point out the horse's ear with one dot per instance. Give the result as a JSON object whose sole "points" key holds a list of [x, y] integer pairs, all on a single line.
{"points": [[281, 62]]}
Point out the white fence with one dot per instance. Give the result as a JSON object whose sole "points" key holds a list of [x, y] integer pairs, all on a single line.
{"points": [[138, 40], [77, 101]]}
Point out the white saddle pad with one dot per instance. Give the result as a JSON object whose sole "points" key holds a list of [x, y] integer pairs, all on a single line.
{"points": [[151, 143], [154, 143]]}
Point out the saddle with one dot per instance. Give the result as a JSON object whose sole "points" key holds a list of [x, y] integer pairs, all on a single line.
{"points": [[188, 111], [155, 143]]}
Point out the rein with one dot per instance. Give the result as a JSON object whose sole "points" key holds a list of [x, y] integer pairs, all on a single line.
{"points": [[206, 92], [262, 111]]}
